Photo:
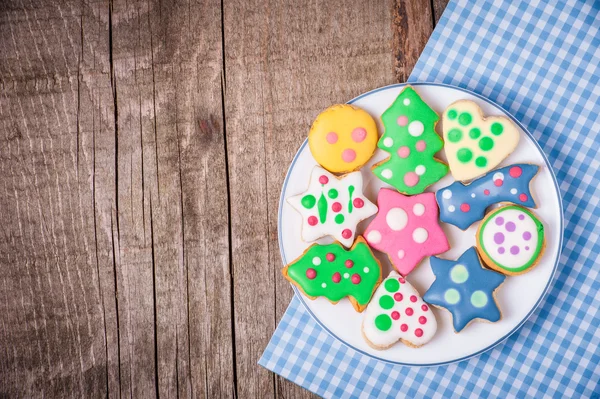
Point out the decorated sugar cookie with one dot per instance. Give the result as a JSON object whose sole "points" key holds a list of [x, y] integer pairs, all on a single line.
{"points": [[332, 206], [462, 205], [335, 273], [412, 142], [397, 313], [464, 288], [510, 240], [474, 144], [406, 229], [343, 138]]}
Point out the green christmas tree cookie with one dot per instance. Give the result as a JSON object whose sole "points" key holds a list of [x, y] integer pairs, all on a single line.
{"points": [[335, 273], [412, 142]]}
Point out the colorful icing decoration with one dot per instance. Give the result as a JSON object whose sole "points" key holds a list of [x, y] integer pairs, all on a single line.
{"points": [[510, 240], [412, 142], [464, 288], [343, 138], [397, 313], [462, 205], [406, 229], [474, 144], [335, 273], [332, 206]]}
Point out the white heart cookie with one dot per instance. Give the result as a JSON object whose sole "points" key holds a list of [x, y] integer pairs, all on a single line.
{"points": [[473, 143], [398, 313]]}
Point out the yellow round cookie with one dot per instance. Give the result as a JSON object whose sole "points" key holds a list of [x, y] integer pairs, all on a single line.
{"points": [[343, 138]]}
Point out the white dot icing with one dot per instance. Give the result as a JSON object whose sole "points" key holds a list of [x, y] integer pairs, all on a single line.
{"points": [[498, 175], [451, 208], [406, 101], [420, 170], [388, 142], [386, 174], [513, 191], [366, 270], [447, 194], [401, 254], [374, 237], [418, 209], [323, 285], [416, 128], [472, 195], [420, 235], [316, 261], [396, 219]]}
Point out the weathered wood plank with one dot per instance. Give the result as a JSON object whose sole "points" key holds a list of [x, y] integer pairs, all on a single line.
{"points": [[438, 8], [56, 262], [176, 329]]}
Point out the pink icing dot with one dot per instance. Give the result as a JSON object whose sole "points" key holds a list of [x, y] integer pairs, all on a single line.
{"points": [[312, 220], [402, 120], [336, 207], [403, 152], [523, 197], [337, 277], [465, 207], [311, 273], [413, 298], [395, 315], [486, 191], [422, 319], [404, 327], [346, 233], [358, 202], [330, 257], [331, 137], [349, 263], [359, 134], [401, 279], [419, 332], [356, 278], [323, 179], [424, 307], [420, 146], [515, 171], [398, 296], [498, 182], [409, 311], [411, 179], [348, 155]]}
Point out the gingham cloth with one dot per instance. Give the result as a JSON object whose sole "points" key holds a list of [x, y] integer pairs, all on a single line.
{"points": [[540, 61]]}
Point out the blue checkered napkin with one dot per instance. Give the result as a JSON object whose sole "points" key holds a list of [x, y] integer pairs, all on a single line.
{"points": [[540, 61]]}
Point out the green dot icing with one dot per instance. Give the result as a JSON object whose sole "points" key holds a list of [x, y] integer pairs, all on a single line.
{"points": [[383, 322], [326, 271], [308, 201], [322, 205], [454, 135], [465, 118], [464, 155], [452, 114], [481, 162], [339, 219], [497, 128], [420, 149], [479, 299], [392, 285], [474, 133], [459, 274], [386, 302], [333, 193], [350, 192], [452, 296], [486, 143]]}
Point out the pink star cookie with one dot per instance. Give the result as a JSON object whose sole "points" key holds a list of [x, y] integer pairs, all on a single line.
{"points": [[406, 229]]}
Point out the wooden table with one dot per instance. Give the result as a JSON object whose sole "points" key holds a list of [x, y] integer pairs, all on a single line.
{"points": [[144, 145]]}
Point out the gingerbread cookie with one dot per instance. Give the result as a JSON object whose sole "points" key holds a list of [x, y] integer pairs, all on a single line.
{"points": [[397, 313], [412, 142], [332, 206], [510, 240], [343, 138], [406, 229], [335, 273], [474, 144], [464, 288], [462, 205]]}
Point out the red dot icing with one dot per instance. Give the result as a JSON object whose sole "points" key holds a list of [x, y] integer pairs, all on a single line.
{"points": [[486, 191], [356, 278], [348, 155], [336, 207], [358, 202], [398, 296], [404, 327], [498, 182], [359, 134], [337, 277], [523, 197], [395, 315], [422, 319], [311, 273], [419, 332], [312, 220], [409, 311], [421, 145], [401, 279], [349, 263], [323, 179], [465, 207], [413, 298], [515, 171], [346, 233], [330, 257], [331, 137], [424, 307]]}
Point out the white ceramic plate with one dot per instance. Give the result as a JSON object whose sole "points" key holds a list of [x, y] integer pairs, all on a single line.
{"points": [[518, 297]]}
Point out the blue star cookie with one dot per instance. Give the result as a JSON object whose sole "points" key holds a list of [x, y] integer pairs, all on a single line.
{"points": [[465, 288]]}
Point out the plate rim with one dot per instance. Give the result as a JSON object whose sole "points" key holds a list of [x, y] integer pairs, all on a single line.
{"points": [[556, 262]]}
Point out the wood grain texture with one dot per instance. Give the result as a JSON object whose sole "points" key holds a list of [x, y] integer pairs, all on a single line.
{"points": [[144, 145], [438, 8]]}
